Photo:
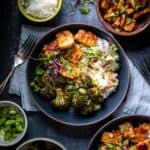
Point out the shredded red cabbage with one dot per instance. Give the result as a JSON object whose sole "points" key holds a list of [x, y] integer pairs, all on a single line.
{"points": [[55, 67]]}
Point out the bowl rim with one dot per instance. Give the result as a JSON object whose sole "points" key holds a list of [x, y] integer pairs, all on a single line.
{"points": [[31, 18], [113, 121], [41, 139], [124, 34], [22, 134], [122, 98]]}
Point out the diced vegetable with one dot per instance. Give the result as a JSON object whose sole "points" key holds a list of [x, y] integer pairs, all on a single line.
{"points": [[11, 123], [121, 138], [85, 10], [115, 12]]}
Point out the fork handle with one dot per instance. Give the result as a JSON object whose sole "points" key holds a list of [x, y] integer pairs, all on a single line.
{"points": [[4, 83]]}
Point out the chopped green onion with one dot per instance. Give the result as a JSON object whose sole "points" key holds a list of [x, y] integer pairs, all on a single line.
{"points": [[117, 13], [136, 8], [122, 10], [125, 142], [85, 10], [114, 1], [11, 123], [122, 1], [39, 71], [83, 91], [66, 64], [128, 20], [110, 146]]}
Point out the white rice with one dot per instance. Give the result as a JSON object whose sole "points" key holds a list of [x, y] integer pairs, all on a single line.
{"points": [[107, 82], [40, 8]]}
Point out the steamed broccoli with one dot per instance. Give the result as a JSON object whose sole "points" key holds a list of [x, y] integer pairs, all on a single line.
{"points": [[62, 100], [87, 81], [93, 91], [79, 100], [87, 110], [95, 95], [83, 104], [47, 88]]}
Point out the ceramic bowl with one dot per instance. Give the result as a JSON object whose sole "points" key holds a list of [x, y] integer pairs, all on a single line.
{"points": [[43, 143], [19, 136], [33, 19], [140, 27]]}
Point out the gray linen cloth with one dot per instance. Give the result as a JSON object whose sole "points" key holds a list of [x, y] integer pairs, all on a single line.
{"points": [[137, 100]]}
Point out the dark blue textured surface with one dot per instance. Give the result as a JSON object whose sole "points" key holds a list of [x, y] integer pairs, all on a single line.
{"points": [[10, 25]]}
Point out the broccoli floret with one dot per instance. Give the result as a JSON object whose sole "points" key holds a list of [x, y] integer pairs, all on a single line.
{"points": [[87, 110], [60, 80], [83, 104], [87, 81], [62, 100], [79, 100], [95, 91], [95, 95], [49, 94], [96, 107], [47, 88]]}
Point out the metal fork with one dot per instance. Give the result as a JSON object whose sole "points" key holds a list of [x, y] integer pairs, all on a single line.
{"points": [[20, 58], [144, 68]]}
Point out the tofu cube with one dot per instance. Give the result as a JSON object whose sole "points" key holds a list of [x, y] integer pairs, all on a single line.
{"points": [[86, 38], [65, 39]]}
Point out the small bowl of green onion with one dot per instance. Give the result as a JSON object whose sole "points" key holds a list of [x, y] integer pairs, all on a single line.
{"points": [[13, 123]]}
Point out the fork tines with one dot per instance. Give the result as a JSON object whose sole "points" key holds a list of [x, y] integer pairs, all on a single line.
{"points": [[27, 46], [144, 67]]}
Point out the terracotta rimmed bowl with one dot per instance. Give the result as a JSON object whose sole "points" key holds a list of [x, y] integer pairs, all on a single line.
{"points": [[134, 119], [140, 27], [70, 117]]}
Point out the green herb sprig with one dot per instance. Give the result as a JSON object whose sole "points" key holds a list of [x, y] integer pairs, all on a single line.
{"points": [[84, 8]]}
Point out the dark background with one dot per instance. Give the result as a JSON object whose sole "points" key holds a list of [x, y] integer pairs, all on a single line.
{"points": [[137, 48]]}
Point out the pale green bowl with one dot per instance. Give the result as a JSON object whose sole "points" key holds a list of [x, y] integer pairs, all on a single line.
{"points": [[31, 18]]}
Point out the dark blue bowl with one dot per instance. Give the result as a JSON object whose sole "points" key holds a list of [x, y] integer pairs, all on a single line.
{"points": [[70, 117], [134, 119]]}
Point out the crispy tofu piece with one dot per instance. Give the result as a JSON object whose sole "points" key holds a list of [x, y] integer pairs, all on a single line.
{"points": [[129, 11], [130, 27], [144, 127], [122, 20], [76, 54], [50, 48], [141, 132], [117, 22], [127, 130], [113, 137], [72, 73], [65, 39], [141, 13], [105, 4], [108, 15], [119, 5], [145, 145], [86, 38]]}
